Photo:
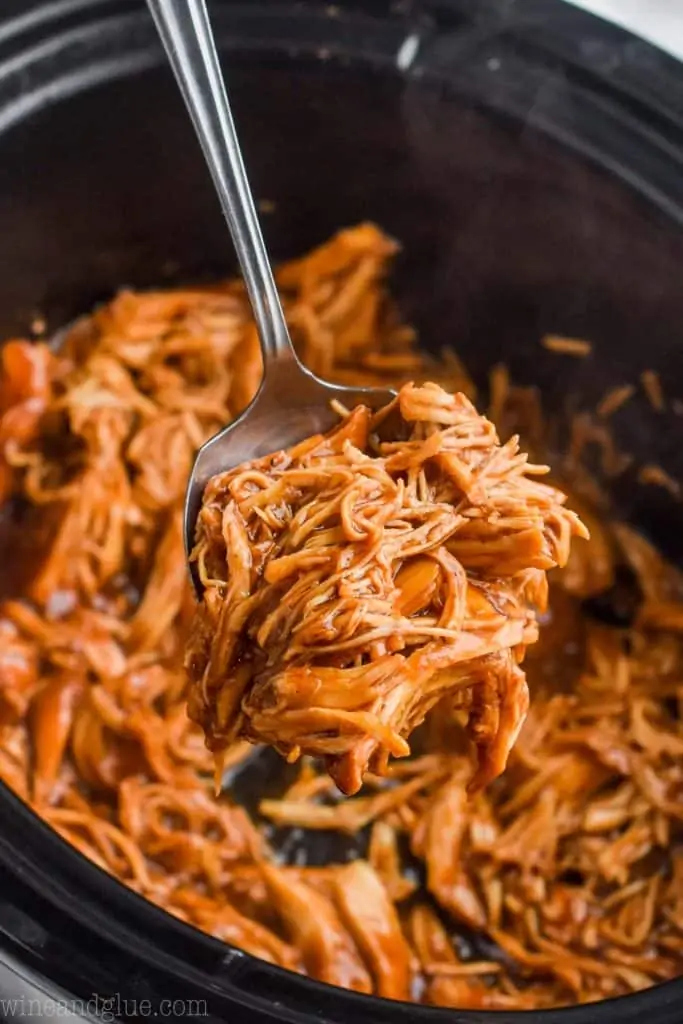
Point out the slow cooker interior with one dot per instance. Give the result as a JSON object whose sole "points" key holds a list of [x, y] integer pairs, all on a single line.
{"points": [[505, 235]]}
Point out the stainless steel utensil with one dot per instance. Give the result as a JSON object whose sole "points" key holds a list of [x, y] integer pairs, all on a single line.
{"points": [[292, 403]]}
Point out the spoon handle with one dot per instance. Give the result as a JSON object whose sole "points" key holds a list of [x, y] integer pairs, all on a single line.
{"points": [[185, 32]]}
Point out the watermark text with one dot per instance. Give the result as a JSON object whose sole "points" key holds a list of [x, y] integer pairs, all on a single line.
{"points": [[109, 1009]]}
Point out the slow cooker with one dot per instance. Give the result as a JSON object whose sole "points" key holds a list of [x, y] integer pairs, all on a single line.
{"points": [[530, 159]]}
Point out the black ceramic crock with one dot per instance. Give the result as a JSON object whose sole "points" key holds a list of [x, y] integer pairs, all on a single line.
{"points": [[529, 157]]}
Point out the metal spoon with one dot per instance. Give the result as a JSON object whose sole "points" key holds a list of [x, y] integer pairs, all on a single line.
{"points": [[292, 403]]}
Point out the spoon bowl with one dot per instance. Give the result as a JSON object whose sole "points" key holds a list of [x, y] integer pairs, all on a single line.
{"points": [[292, 403]]}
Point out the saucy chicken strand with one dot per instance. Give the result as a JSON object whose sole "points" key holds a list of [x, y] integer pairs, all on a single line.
{"points": [[561, 882], [355, 580]]}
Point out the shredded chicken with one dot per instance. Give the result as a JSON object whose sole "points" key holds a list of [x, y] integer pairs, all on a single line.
{"points": [[567, 346], [562, 882], [351, 583]]}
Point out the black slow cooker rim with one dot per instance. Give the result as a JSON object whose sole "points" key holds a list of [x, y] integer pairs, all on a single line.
{"points": [[69, 46]]}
